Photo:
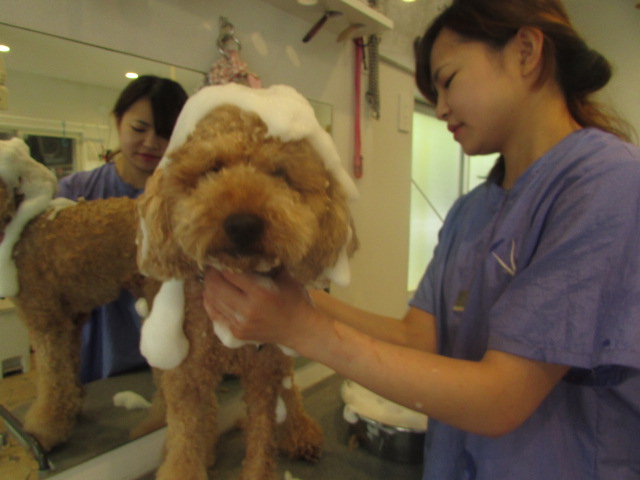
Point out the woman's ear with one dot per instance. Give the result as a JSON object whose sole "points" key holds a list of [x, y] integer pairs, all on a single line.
{"points": [[529, 43]]}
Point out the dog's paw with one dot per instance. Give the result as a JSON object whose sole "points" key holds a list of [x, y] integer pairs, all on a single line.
{"points": [[303, 444]]}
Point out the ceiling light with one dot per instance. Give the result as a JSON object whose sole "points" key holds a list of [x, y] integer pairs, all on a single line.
{"points": [[131, 75], [408, 1], [307, 2], [4, 48]]}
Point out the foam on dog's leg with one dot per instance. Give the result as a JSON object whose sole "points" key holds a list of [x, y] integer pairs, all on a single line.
{"points": [[163, 342], [281, 411]]}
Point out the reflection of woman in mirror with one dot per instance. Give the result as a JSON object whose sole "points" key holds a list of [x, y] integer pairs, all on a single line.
{"points": [[145, 114]]}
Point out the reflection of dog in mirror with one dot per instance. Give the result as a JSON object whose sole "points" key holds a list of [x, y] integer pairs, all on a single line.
{"points": [[69, 263], [59, 260], [233, 195]]}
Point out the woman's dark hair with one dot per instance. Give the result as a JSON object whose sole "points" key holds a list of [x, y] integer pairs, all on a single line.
{"points": [[166, 96], [579, 70]]}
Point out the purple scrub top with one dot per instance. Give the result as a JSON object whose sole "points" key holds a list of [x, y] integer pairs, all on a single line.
{"points": [[111, 336], [550, 271]]}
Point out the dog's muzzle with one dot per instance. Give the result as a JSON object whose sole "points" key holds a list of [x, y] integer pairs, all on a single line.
{"points": [[244, 230]]}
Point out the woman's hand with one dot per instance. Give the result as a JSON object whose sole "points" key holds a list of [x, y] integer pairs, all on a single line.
{"points": [[258, 308]]}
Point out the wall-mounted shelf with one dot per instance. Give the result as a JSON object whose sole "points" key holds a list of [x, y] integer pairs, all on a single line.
{"points": [[353, 11]]}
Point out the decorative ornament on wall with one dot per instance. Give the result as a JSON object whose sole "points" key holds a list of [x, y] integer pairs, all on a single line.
{"points": [[230, 68]]}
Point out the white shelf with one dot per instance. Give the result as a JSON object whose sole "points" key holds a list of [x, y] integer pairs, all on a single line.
{"points": [[353, 11]]}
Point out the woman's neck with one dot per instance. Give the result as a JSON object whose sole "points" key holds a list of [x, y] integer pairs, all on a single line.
{"points": [[129, 174], [541, 129]]}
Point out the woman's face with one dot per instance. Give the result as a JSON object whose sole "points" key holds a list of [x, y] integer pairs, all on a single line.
{"points": [[139, 143], [478, 91]]}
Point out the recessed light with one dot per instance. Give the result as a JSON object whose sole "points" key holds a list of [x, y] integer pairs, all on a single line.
{"points": [[131, 75], [5, 48]]}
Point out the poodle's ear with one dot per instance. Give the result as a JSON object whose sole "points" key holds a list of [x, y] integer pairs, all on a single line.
{"points": [[158, 255], [337, 236]]}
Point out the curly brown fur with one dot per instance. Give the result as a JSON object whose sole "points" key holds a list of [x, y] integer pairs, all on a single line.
{"points": [[69, 262], [232, 197]]}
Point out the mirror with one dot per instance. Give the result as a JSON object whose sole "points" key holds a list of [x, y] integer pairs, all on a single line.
{"points": [[61, 93]]}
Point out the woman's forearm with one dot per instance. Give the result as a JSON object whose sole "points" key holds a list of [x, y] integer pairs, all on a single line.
{"points": [[488, 397], [415, 330]]}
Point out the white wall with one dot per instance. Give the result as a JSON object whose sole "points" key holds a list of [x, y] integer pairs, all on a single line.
{"points": [[612, 27], [382, 214]]}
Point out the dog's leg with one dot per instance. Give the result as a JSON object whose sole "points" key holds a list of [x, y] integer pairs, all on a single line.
{"points": [[191, 411], [262, 382], [59, 393], [157, 415], [300, 436], [147, 288], [189, 392]]}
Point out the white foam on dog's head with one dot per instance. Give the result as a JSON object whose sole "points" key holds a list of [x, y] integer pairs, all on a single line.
{"points": [[289, 117], [24, 176], [287, 114]]}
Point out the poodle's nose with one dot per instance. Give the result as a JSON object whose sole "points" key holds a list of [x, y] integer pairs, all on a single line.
{"points": [[244, 229]]}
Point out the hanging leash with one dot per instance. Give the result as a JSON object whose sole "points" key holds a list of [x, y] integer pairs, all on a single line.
{"points": [[357, 155], [373, 91]]}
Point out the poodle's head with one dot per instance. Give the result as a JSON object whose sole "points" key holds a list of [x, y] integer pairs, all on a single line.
{"points": [[20, 176], [233, 196]]}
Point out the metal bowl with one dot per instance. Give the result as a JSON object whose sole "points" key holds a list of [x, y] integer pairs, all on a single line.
{"points": [[382, 427], [390, 442]]}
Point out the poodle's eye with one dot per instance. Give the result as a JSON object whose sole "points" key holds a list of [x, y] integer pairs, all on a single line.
{"points": [[217, 166], [281, 172]]}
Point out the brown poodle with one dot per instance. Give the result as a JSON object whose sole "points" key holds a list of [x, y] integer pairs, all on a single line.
{"points": [[231, 194]]}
